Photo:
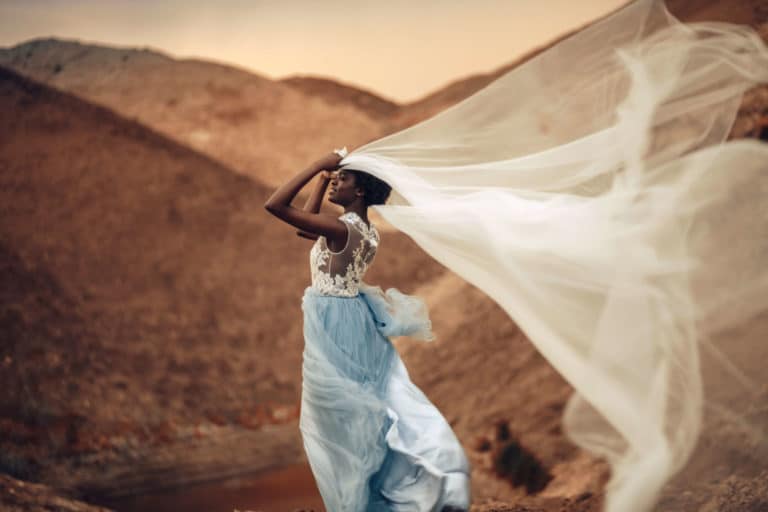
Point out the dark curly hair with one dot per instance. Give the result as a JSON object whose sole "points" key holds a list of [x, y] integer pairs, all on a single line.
{"points": [[375, 191]]}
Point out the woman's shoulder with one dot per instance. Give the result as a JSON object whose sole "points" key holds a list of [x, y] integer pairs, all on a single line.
{"points": [[355, 219], [366, 231]]}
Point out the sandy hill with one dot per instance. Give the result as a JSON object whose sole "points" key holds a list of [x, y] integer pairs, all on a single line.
{"points": [[337, 93], [256, 126], [143, 284]]}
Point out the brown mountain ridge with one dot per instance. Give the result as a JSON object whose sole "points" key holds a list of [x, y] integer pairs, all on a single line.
{"points": [[145, 287]]}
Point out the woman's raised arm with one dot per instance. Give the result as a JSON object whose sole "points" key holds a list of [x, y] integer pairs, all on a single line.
{"points": [[315, 200], [279, 204]]}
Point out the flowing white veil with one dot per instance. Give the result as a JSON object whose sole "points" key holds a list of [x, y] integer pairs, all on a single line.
{"points": [[591, 194]]}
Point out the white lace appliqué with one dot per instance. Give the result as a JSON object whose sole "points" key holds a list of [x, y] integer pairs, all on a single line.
{"points": [[358, 255]]}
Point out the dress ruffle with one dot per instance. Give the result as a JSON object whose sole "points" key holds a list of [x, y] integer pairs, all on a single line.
{"points": [[398, 314]]}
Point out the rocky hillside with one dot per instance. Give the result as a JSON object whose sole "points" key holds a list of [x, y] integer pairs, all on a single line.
{"points": [[256, 126], [145, 290]]}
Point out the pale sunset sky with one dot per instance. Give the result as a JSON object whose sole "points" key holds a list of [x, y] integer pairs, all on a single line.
{"points": [[400, 49]]}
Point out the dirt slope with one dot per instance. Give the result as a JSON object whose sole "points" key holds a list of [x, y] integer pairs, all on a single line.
{"points": [[256, 126], [145, 290], [337, 93]]}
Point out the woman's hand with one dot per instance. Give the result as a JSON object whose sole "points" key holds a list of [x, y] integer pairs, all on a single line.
{"points": [[330, 162], [279, 204]]}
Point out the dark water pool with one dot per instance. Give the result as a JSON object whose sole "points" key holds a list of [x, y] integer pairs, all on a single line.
{"points": [[283, 490]]}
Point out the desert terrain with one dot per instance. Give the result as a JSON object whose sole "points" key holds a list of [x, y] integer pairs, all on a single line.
{"points": [[150, 321]]}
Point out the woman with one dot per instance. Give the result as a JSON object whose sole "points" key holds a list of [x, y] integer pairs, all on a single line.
{"points": [[373, 440], [593, 193]]}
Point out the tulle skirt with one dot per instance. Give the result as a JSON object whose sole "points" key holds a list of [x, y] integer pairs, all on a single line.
{"points": [[373, 440]]}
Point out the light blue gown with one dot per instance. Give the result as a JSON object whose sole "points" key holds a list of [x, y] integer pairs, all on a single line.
{"points": [[373, 440]]}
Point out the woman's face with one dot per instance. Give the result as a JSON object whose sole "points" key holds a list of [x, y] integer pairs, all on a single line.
{"points": [[343, 190]]}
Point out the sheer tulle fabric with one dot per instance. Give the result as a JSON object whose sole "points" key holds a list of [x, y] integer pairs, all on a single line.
{"points": [[589, 192], [374, 441], [398, 314]]}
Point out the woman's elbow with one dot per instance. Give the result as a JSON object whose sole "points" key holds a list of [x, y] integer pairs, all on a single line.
{"points": [[276, 209], [271, 206]]}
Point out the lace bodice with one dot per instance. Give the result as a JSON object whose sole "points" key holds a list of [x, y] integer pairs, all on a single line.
{"points": [[339, 273]]}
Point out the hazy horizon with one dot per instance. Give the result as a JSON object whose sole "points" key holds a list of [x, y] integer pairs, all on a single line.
{"points": [[400, 50]]}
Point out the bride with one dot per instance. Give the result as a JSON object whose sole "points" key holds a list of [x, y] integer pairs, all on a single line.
{"points": [[592, 193], [373, 440]]}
